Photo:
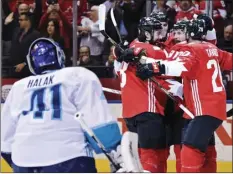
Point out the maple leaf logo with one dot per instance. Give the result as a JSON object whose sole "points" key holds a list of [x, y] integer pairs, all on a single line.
{"points": [[176, 88], [175, 67]]}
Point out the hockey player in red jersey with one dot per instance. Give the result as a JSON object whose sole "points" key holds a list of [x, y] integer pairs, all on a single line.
{"points": [[143, 104], [175, 115], [198, 63], [210, 165]]}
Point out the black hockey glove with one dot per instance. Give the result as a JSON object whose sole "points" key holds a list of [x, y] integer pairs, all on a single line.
{"points": [[128, 55], [118, 52], [145, 71]]}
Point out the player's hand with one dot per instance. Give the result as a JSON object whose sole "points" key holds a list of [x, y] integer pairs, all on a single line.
{"points": [[118, 52], [128, 55], [145, 71], [132, 55], [19, 67]]}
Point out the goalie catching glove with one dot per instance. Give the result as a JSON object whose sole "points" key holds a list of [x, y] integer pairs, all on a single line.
{"points": [[145, 71]]}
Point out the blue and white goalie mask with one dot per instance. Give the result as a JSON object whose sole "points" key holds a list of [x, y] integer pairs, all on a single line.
{"points": [[45, 55]]}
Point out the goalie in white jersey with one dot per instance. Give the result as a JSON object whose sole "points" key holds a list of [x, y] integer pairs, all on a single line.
{"points": [[39, 131]]}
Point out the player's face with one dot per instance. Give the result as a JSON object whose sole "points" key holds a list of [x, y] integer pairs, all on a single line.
{"points": [[157, 35], [179, 36], [164, 30]]}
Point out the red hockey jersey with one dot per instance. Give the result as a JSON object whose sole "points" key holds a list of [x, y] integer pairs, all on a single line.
{"points": [[140, 96], [199, 65]]}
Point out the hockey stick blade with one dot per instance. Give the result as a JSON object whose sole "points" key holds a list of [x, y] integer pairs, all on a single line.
{"points": [[102, 17], [129, 152], [115, 24], [84, 126]]}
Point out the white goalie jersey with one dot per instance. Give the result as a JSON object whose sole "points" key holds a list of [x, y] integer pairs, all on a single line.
{"points": [[38, 125]]}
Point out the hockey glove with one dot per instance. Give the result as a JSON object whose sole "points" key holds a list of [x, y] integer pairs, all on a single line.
{"points": [[118, 52], [129, 54], [145, 71]]}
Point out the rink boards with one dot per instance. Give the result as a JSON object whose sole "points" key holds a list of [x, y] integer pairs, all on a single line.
{"points": [[223, 134], [223, 145]]}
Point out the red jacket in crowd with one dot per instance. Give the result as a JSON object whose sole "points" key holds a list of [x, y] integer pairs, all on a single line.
{"points": [[65, 26]]}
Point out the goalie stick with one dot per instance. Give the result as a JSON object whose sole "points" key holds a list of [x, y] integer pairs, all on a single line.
{"points": [[129, 145], [93, 136], [102, 18]]}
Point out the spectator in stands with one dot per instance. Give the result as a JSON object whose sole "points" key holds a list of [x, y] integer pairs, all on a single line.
{"points": [[161, 6], [54, 12], [53, 32], [219, 14], [186, 10], [133, 11], [11, 21], [110, 60], [229, 9], [22, 39], [91, 36], [6, 43], [219, 8], [226, 42], [84, 57]]}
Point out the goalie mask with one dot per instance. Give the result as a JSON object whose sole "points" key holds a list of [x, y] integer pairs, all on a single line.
{"points": [[197, 29], [45, 55], [161, 17], [149, 30], [179, 31]]}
